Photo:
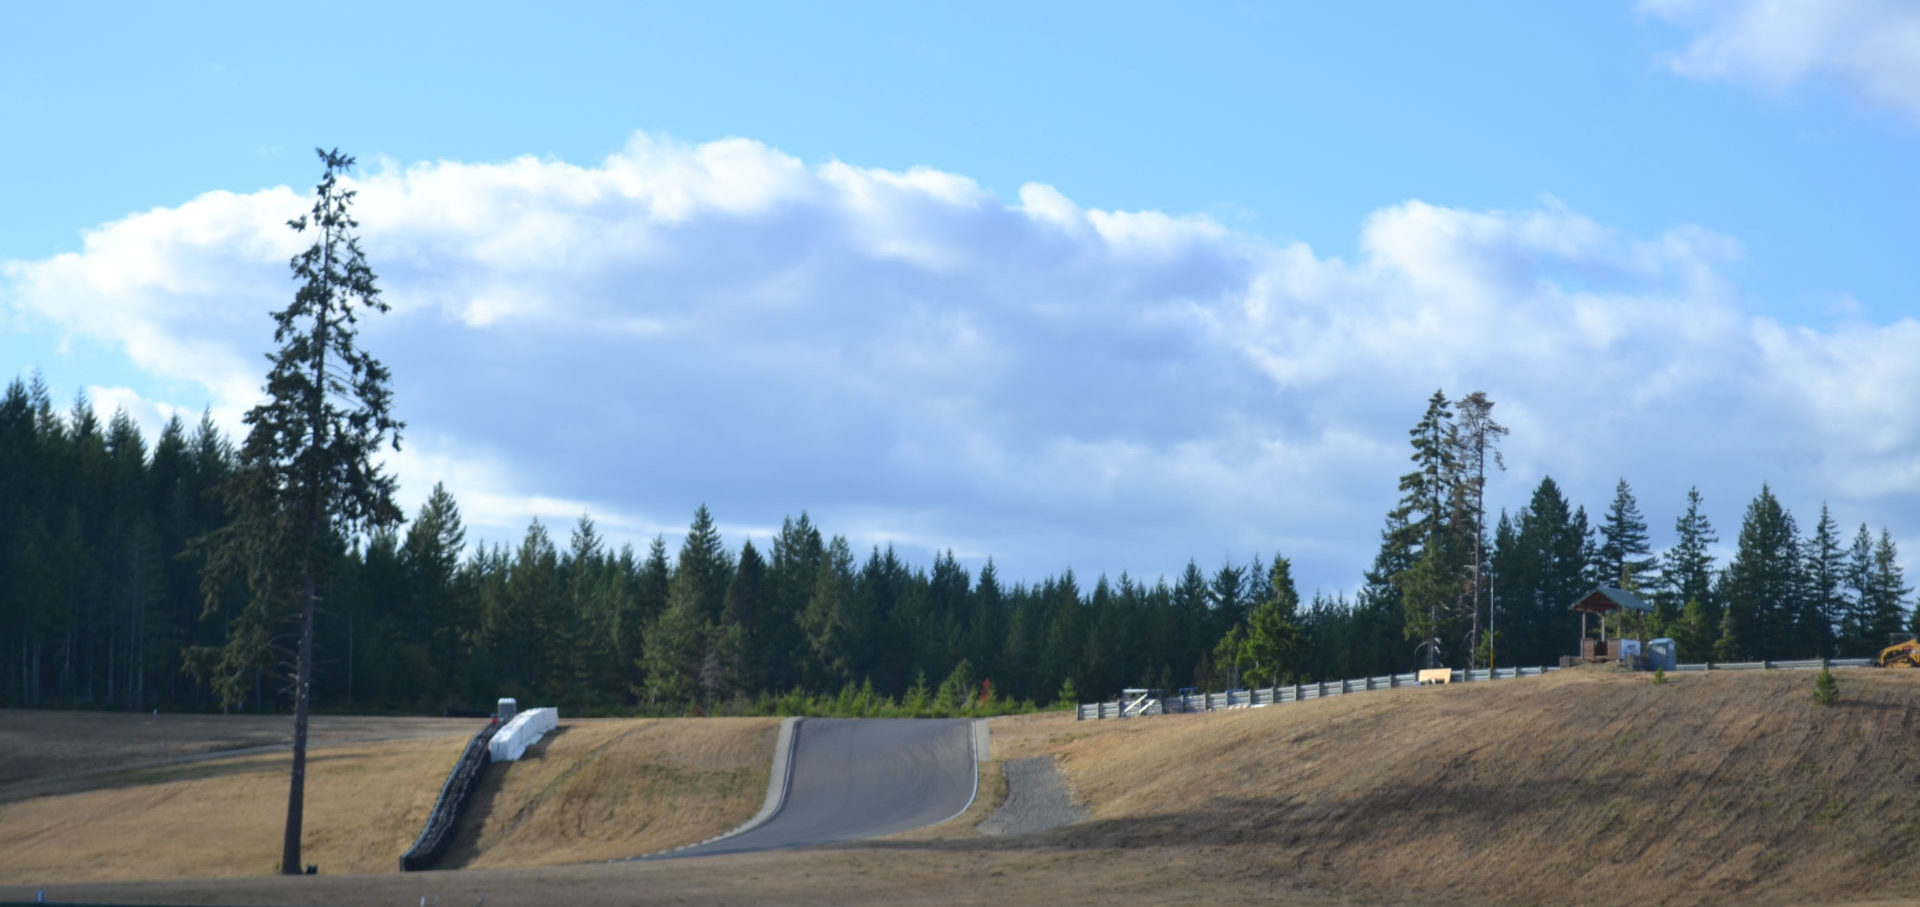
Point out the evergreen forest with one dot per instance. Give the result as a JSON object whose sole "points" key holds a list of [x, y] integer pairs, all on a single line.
{"points": [[103, 602]]}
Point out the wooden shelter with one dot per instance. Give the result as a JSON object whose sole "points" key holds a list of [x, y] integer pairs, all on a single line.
{"points": [[1604, 601]]}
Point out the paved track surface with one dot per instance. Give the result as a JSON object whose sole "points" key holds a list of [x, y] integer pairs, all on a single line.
{"points": [[860, 778]]}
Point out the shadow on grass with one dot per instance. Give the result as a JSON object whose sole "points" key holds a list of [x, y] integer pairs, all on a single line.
{"points": [[466, 840]]}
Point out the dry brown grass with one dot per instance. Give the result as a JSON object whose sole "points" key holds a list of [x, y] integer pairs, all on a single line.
{"points": [[1708, 788], [873, 874], [595, 789], [605, 789], [365, 803], [44, 752], [1581, 787]]}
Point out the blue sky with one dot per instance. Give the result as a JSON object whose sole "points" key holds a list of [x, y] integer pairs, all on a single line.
{"points": [[1728, 185]]}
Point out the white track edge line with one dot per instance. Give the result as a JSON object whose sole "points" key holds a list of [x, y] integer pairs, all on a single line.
{"points": [[973, 758], [781, 775]]}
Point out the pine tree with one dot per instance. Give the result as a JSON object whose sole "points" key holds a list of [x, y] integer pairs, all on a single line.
{"points": [[956, 692], [917, 699], [656, 575], [1192, 616], [1226, 660], [703, 569], [307, 472], [532, 630], [1061, 644], [944, 639], [1476, 439], [1541, 568], [831, 634], [1729, 646], [1686, 573], [680, 649], [674, 651], [1623, 541], [1505, 538], [1822, 606], [1890, 590], [987, 627], [1762, 583], [1432, 532], [743, 618], [590, 612], [1276, 647], [1855, 637], [435, 541], [1694, 636], [1825, 691], [795, 566]]}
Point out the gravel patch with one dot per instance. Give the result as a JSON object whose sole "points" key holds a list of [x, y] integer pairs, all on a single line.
{"points": [[1037, 799]]}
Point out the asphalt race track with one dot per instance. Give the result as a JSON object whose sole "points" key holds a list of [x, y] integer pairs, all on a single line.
{"points": [[862, 777]]}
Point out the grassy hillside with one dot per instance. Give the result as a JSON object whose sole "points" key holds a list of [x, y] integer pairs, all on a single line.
{"points": [[45, 751], [122, 804], [1711, 787], [365, 803], [603, 789], [1581, 787]]}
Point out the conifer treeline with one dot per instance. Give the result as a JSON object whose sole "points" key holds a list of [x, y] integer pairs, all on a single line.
{"points": [[102, 606], [1782, 596]]}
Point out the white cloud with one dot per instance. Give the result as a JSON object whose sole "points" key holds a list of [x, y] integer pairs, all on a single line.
{"points": [[916, 361], [150, 415], [1871, 46]]}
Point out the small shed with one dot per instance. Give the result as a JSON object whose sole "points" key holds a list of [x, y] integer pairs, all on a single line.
{"points": [[1604, 601]]}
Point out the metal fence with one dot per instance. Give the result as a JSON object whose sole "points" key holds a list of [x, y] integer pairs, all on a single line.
{"points": [[1301, 692]]}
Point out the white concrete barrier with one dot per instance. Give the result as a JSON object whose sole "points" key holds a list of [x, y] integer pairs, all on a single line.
{"points": [[523, 731]]}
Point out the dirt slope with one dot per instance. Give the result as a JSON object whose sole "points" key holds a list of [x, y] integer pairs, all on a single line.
{"points": [[605, 789], [1712, 787]]}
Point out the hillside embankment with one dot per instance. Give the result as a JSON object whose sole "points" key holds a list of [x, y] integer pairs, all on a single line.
{"points": [[46, 751], [365, 803], [1584, 786], [137, 798], [605, 789]]}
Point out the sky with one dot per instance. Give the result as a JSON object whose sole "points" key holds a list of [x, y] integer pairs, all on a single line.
{"points": [[1105, 287]]}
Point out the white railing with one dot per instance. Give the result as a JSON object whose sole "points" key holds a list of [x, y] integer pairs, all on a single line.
{"points": [[1301, 692]]}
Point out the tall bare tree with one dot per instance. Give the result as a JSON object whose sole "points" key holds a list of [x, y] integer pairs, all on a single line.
{"points": [[1476, 439]]}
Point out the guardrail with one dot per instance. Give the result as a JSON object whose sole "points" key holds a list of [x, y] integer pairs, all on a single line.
{"points": [[1301, 692], [524, 730], [445, 818]]}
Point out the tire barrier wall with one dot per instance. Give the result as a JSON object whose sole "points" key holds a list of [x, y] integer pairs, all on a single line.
{"points": [[444, 821], [523, 731]]}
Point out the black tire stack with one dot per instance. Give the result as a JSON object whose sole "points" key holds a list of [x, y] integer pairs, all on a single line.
{"points": [[444, 822]]}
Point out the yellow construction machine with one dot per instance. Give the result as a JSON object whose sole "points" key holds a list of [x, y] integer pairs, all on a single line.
{"points": [[1901, 655]]}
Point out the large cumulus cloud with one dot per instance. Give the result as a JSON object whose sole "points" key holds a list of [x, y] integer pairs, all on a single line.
{"points": [[916, 360]]}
